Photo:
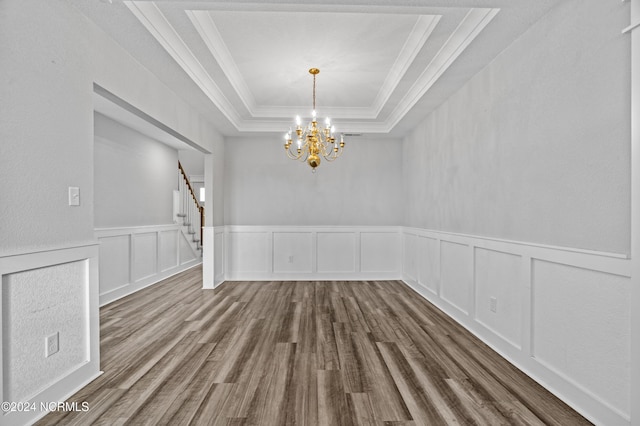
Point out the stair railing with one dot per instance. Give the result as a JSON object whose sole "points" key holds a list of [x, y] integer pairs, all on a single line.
{"points": [[191, 211]]}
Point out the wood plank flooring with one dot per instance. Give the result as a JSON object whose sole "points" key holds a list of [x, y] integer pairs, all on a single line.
{"points": [[299, 353]]}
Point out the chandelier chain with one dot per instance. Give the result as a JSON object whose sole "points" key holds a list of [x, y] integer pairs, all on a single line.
{"points": [[314, 91]]}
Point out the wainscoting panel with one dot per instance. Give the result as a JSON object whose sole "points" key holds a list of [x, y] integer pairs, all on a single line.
{"points": [[168, 250], [186, 254], [249, 252], [581, 323], [292, 252], [380, 252], [428, 260], [62, 312], [115, 257], [135, 257], [455, 264], [219, 256], [498, 288], [51, 292], [145, 255], [336, 252], [410, 254], [559, 314], [312, 253]]}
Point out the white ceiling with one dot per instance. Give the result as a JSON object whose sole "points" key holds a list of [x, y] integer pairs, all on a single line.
{"points": [[383, 64]]}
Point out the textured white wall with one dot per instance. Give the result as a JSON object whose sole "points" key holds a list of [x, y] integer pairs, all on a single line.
{"points": [[46, 126], [50, 58], [536, 146], [561, 315], [134, 177], [214, 176], [264, 187], [581, 328], [192, 161], [40, 303]]}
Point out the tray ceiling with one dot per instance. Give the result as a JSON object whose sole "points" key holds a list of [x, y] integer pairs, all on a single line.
{"points": [[383, 64]]}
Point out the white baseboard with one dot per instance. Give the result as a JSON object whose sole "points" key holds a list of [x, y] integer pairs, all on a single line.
{"points": [[129, 289], [133, 258], [67, 270], [549, 301], [265, 253]]}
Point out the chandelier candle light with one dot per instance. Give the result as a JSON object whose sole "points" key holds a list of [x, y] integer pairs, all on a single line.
{"points": [[313, 142]]}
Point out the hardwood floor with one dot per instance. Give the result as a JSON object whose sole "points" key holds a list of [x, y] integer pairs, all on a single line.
{"points": [[303, 353]]}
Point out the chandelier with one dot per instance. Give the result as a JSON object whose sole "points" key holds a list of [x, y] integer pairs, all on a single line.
{"points": [[313, 142]]}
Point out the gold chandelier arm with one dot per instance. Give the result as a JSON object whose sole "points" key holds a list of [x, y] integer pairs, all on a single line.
{"points": [[334, 155], [295, 155], [292, 151], [291, 156]]}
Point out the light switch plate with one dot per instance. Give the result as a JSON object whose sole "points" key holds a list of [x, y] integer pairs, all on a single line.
{"points": [[74, 196]]}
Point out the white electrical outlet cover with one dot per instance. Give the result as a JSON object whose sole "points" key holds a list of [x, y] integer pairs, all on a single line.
{"points": [[51, 345]]}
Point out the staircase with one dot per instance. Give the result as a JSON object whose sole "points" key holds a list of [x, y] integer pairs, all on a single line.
{"points": [[190, 212]]}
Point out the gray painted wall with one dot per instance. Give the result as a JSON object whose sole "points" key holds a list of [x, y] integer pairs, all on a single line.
{"points": [[46, 127], [214, 176], [51, 56], [192, 161], [134, 177], [264, 187], [535, 147]]}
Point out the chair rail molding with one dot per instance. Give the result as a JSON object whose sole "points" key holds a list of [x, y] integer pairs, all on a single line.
{"points": [[132, 258], [309, 252], [52, 291], [559, 314]]}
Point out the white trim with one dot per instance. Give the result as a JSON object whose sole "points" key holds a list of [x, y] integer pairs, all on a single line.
{"points": [[470, 27], [634, 302], [86, 372], [581, 399], [159, 273], [264, 265], [614, 263], [33, 250], [161, 29], [631, 27], [122, 230], [521, 353], [204, 25], [127, 289]]}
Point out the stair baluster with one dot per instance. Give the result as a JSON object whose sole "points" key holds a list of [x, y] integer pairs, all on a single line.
{"points": [[191, 212]]}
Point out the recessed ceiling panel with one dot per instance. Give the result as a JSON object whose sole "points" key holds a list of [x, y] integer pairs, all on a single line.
{"points": [[243, 64], [273, 52], [259, 74]]}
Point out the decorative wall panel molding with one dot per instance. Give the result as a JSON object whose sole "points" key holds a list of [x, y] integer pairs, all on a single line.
{"points": [[311, 252], [47, 293], [559, 314], [132, 258], [213, 256], [219, 258]]}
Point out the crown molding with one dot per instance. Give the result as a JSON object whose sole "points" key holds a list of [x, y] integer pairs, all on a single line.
{"points": [[208, 31], [419, 35], [468, 29], [152, 18], [157, 24]]}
